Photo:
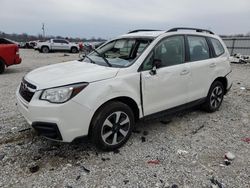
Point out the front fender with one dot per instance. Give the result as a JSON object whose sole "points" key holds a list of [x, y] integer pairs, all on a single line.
{"points": [[98, 93]]}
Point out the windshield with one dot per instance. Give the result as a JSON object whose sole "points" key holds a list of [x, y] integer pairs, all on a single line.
{"points": [[120, 52]]}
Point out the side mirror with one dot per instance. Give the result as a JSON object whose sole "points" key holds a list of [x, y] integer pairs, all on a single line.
{"points": [[156, 65]]}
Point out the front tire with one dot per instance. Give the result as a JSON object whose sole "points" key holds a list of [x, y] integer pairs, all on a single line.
{"points": [[45, 49], [215, 97], [2, 66], [112, 126]]}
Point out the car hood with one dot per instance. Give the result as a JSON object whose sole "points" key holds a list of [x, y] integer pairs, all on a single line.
{"points": [[69, 73]]}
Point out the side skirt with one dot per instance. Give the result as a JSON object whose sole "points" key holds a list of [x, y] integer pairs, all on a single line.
{"points": [[174, 110]]}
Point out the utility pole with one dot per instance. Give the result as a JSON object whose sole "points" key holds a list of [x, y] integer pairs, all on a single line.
{"points": [[43, 28]]}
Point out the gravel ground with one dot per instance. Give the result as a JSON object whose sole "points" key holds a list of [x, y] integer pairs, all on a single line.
{"points": [[187, 151]]}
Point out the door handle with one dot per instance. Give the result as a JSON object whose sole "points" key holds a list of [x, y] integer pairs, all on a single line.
{"points": [[184, 72], [212, 65]]}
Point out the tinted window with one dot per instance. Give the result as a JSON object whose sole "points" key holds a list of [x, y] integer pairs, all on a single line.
{"points": [[218, 48], [56, 41], [198, 48], [170, 51], [60, 41]]}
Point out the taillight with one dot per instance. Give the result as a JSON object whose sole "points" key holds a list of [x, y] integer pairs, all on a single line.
{"points": [[17, 50]]}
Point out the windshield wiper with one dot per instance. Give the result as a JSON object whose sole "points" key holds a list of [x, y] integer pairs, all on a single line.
{"points": [[105, 59], [86, 56]]}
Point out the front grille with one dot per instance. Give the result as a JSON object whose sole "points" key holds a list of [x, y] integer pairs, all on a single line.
{"points": [[27, 90]]}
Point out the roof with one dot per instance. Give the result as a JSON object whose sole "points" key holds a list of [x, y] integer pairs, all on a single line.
{"points": [[150, 34]]}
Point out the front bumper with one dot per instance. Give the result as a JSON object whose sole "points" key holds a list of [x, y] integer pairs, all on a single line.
{"points": [[71, 119]]}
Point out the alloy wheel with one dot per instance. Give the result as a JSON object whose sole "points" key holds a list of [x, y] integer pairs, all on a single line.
{"points": [[115, 128], [216, 97]]}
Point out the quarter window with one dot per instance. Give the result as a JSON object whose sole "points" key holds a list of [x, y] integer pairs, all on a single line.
{"points": [[198, 48], [218, 48]]}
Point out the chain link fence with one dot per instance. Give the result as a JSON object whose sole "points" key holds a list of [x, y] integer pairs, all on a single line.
{"points": [[238, 45]]}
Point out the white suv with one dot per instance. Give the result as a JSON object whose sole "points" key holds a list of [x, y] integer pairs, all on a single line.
{"points": [[141, 74], [57, 45]]}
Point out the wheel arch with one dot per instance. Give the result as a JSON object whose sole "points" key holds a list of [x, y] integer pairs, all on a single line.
{"points": [[124, 99], [45, 46], [224, 82], [1, 59], [3, 65]]}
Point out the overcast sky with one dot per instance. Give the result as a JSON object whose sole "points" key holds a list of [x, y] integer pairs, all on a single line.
{"points": [[109, 18]]}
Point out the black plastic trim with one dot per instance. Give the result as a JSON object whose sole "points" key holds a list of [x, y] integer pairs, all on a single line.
{"points": [[174, 110], [141, 94], [142, 30], [189, 28], [47, 130]]}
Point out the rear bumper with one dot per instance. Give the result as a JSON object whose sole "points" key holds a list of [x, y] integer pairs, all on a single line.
{"points": [[18, 60]]}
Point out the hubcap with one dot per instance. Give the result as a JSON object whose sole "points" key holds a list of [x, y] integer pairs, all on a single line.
{"points": [[115, 128], [45, 50], [216, 97]]}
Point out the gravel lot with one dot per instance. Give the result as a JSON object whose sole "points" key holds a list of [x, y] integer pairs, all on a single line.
{"points": [[27, 160]]}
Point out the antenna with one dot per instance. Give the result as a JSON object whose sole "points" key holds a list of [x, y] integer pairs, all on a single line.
{"points": [[43, 28]]}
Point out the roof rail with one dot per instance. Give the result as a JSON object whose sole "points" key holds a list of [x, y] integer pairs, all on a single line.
{"points": [[141, 30], [188, 28]]}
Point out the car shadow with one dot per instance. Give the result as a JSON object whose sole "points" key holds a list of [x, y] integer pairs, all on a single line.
{"points": [[51, 155]]}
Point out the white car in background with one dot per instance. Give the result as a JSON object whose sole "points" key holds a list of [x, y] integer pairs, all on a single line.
{"points": [[57, 45], [139, 75]]}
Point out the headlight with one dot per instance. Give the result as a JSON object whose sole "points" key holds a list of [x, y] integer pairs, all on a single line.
{"points": [[62, 94]]}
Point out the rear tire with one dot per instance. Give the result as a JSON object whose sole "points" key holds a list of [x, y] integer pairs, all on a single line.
{"points": [[112, 126], [2, 66], [45, 49], [214, 97]]}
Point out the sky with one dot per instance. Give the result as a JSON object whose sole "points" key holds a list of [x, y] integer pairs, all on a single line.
{"points": [[109, 18]]}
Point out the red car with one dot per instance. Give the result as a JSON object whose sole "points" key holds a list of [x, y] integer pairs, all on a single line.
{"points": [[9, 54]]}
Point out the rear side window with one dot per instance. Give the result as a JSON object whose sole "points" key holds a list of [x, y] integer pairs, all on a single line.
{"points": [[198, 48], [218, 48], [56, 41]]}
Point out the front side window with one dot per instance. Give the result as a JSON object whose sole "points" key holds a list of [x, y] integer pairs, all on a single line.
{"points": [[56, 41], [198, 48], [120, 52], [170, 51], [218, 48]]}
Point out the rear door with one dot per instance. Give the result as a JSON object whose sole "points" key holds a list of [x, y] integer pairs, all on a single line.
{"points": [[168, 87], [202, 67], [65, 45]]}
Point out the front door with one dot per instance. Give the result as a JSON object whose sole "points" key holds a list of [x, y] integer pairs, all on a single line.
{"points": [[168, 87]]}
